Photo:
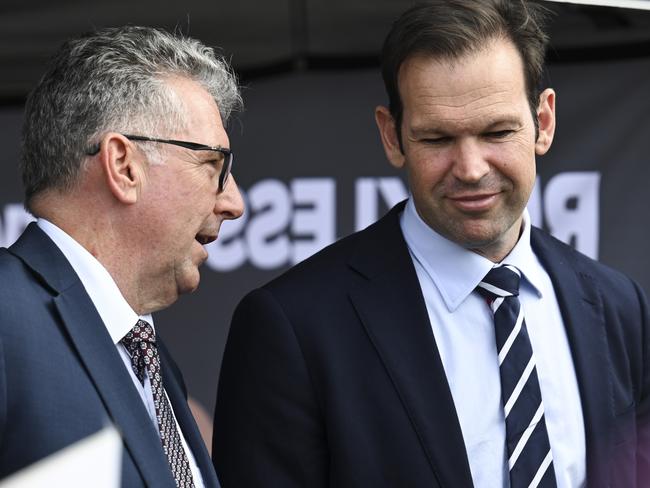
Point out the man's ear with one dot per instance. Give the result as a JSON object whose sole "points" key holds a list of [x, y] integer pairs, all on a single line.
{"points": [[546, 121], [389, 137], [121, 168]]}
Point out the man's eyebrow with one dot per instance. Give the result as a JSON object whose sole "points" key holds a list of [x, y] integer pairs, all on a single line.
{"points": [[208, 156], [505, 121], [427, 132]]}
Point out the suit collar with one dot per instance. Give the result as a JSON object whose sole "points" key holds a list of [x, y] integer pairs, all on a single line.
{"points": [[117, 315], [97, 353], [580, 302], [45, 260], [392, 309], [454, 270]]}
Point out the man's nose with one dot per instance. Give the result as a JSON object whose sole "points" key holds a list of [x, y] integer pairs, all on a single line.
{"points": [[469, 161], [230, 203]]}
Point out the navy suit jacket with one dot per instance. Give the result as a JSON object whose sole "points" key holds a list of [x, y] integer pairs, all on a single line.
{"points": [[331, 375], [61, 377]]}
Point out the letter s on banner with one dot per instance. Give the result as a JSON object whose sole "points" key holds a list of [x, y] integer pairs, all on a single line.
{"points": [[271, 209]]}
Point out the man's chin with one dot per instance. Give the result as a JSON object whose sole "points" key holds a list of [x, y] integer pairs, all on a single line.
{"points": [[489, 243], [190, 282]]}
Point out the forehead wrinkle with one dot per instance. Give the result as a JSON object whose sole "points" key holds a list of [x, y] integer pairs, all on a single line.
{"points": [[469, 98], [422, 95], [503, 89], [429, 104], [477, 115]]}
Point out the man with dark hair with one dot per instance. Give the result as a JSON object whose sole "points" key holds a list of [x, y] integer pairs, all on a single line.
{"points": [[450, 344], [126, 167]]}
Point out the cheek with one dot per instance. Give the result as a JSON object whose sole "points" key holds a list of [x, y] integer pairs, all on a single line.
{"points": [[525, 175], [196, 197], [195, 210], [517, 163], [425, 174]]}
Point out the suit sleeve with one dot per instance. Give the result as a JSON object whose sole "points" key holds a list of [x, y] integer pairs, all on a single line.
{"points": [[643, 401], [268, 429]]}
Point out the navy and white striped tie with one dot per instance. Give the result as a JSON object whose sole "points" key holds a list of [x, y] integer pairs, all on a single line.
{"points": [[530, 462]]}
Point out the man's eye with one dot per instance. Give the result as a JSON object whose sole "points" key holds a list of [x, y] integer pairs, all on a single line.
{"points": [[499, 134], [436, 141], [212, 165], [217, 162]]}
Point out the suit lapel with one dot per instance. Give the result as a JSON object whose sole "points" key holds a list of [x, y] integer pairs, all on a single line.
{"points": [[392, 309], [98, 355], [186, 420], [582, 311], [114, 385]]}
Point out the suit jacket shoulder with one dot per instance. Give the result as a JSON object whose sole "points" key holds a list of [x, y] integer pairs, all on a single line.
{"points": [[614, 289], [378, 249]]}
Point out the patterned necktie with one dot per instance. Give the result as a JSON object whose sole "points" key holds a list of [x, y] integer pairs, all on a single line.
{"points": [[530, 462], [141, 344]]}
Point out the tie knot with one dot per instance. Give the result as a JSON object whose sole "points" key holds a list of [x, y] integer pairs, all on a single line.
{"points": [[501, 281], [141, 332], [140, 342]]}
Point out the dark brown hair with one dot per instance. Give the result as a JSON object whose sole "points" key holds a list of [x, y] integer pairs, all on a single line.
{"points": [[450, 29]]}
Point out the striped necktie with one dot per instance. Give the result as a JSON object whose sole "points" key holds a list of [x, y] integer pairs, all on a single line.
{"points": [[530, 462]]}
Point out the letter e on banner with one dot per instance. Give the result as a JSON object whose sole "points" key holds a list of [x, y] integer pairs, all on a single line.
{"points": [[314, 219]]}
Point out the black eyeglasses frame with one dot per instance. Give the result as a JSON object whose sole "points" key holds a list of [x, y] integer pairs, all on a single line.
{"points": [[194, 146]]}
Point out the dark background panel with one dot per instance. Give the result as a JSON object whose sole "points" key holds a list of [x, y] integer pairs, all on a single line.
{"points": [[311, 84]]}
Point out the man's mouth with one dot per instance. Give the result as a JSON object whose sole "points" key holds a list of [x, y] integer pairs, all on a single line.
{"points": [[204, 239], [474, 202]]}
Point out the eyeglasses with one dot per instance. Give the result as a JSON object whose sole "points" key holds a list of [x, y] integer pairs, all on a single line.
{"points": [[224, 158]]}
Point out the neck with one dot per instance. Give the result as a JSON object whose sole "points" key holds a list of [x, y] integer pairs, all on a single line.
{"points": [[103, 233]]}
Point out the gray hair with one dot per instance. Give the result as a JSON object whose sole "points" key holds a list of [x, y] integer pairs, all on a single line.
{"points": [[113, 80]]}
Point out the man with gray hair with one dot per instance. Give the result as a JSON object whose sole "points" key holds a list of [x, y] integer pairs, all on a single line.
{"points": [[126, 166]]}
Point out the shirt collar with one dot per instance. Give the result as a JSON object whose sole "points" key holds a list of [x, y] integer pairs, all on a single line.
{"points": [[117, 315], [456, 271], [523, 257]]}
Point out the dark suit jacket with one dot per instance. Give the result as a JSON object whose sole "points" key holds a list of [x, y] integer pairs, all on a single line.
{"points": [[61, 377], [331, 375]]}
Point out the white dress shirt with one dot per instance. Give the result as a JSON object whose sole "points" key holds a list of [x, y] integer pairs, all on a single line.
{"points": [[463, 328], [117, 315]]}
